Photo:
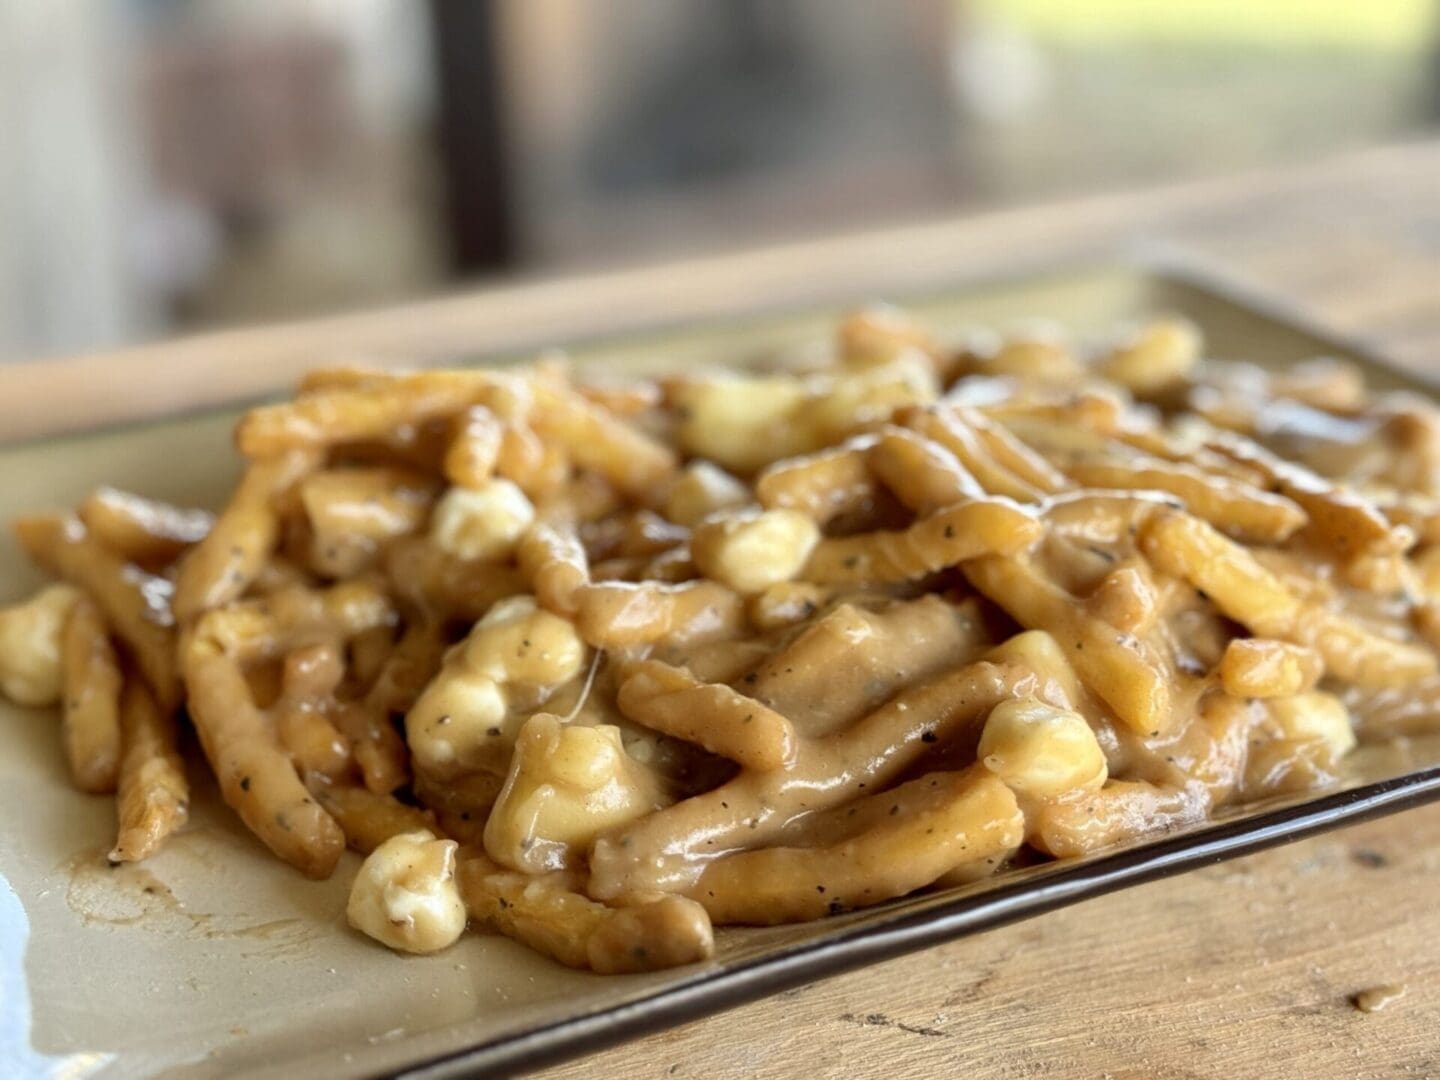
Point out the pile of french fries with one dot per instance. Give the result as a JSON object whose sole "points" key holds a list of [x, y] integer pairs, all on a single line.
{"points": [[598, 665]]}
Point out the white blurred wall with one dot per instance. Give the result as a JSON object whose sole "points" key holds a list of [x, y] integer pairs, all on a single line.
{"points": [[66, 180]]}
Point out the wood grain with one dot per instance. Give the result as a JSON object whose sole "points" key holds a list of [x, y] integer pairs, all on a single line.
{"points": [[1245, 969]]}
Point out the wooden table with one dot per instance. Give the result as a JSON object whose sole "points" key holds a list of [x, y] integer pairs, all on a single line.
{"points": [[1245, 969]]}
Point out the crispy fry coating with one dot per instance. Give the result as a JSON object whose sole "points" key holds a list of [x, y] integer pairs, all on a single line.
{"points": [[232, 555], [136, 605], [90, 712], [153, 798]]}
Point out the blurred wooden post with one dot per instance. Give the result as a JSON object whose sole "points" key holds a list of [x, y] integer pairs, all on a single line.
{"points": [[472, 136]]}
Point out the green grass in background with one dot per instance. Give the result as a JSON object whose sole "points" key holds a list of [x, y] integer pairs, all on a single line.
{"points": [[1382, 25]]}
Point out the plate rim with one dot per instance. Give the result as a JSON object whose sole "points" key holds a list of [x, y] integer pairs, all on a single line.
{"points": [[941, 917], [850, 948]]}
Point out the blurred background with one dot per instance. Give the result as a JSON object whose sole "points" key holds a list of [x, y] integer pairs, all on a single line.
{"points": [[169, 165]]}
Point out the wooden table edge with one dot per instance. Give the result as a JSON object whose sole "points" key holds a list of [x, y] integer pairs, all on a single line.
{"points": [[53, 396]]}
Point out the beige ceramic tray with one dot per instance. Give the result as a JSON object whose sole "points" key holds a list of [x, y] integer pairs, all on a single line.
{"points": [[216, 959]]}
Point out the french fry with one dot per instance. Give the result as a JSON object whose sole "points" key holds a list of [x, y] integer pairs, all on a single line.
{"points": [[556, 565], [594, 439], [1342, 521], [474, 447], [850, 660], [954, 434], [924, 476], [90, 716], [883, 331], [1245, 591], [1420, 516], [309, 679], [233, 554], [352, 513], [1242, 511], [139, 530], [549, 915], [538, 468], [822, 485], [1159, 443], [257, 779], [313, 744], [1035, 358], [1127, 599], [1104, 518], [330, 416], [613, 614], [371, 504], [368, 653], [1124, 671], [378, 747], [409, 667], [444, 585], [336, 615], [899, 841], [1383, 714], [1265, 668], [787, 603], [348, 377], [270, 627], [1011, 454], [659, 851], [1212, 750], [622, 399], [1098, 410], [673, 702], [153, 796], [1121, 810], [369, 819], [136, 605], [946, 538], [1155, 357]]}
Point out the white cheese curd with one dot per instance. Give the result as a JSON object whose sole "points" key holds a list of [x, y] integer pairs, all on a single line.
{"points": [[517, 642], [464, 718], [406, 896], [752, 550], [483, 522], [452, 717], [30, 636], [701, 489], [1041, 751], [1316, 717], [566, 785]]}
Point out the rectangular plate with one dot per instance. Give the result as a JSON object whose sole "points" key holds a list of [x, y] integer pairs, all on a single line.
{"points": [[215, 958]]}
